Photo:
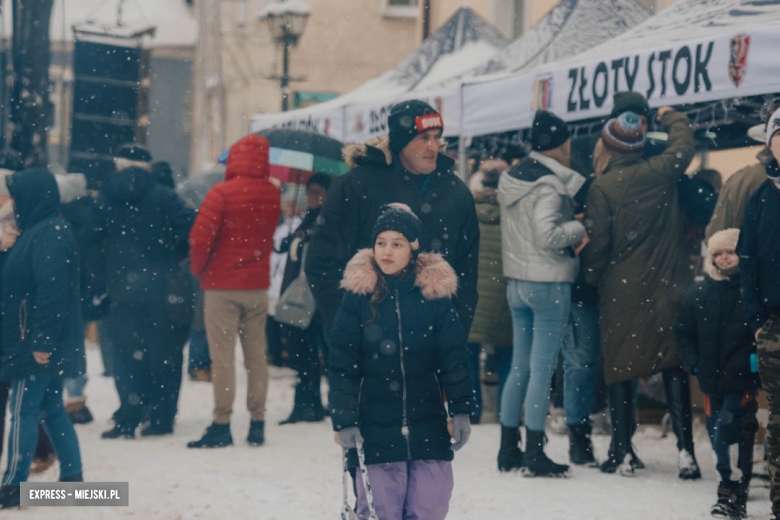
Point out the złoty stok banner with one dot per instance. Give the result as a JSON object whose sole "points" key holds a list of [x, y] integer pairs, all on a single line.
{"points": [[719, 67]]}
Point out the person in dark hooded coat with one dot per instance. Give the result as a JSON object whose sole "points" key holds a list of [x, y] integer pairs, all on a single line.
{"points": [[145, 227], [43, 338]]}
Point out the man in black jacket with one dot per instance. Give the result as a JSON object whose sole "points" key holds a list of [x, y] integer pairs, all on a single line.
{"points": [[406, 167], [759, 260], [145, 227]]}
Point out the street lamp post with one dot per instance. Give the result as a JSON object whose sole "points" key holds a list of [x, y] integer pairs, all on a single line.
{"points": [[287, 21]]}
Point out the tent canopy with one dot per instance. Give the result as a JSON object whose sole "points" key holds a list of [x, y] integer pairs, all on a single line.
{"points": [[464, 41], [716, 57], [569, 29]]}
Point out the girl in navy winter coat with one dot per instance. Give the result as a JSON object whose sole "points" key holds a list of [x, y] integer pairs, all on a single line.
{"points": [[717, 344], [396, 342]]}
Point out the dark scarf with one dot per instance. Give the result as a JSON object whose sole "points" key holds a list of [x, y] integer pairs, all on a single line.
{"points": [[728, 273]]}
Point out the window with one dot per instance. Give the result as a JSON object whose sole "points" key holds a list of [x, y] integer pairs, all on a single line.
{"points": [[401, 8]]}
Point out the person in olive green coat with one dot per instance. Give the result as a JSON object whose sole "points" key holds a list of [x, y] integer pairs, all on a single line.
{"points": [[637, 258], [492, 323]]}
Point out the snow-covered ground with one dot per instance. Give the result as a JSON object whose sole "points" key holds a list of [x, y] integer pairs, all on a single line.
{"points": [[296, 475]]}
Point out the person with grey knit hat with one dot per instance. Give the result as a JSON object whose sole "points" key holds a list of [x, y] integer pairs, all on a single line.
{"points": [[541, 241], [759, 260], [637, 258], [407, 166]]}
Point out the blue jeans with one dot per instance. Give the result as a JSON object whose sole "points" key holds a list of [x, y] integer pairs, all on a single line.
{"points": [[725, 415], [581, 358], [474, 351], [199, 358], [32, 400], [75, 385], [540, 315]]}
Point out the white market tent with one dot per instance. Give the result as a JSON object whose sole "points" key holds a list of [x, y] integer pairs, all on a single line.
{"points": [[569, 29], [464, 41], [175, 23], [692, 52]]}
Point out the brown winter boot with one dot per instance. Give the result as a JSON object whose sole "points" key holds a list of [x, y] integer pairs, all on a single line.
{"points": [[203, 375], [41, 465]]}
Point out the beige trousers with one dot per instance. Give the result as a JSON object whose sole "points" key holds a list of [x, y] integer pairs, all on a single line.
{"points": [[228, 314]]}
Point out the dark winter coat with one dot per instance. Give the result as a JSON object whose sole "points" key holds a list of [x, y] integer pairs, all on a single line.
{"points": [[386, 372], [713, 336], [294, 247], [145, 227], [232, 239], [94, 298], [41, 285], [759, 255], [492, 319], [735, 193], [637, 255], [443, 203]]}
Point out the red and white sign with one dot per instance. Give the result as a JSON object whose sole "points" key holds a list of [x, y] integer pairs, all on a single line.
{"points": [[428, 122]]}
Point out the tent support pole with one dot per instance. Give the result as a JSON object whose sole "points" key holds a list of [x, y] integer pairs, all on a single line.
{"points": [[463, 166]]}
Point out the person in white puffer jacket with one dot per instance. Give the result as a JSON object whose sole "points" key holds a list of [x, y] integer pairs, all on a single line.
{"points": [[541, 239]]}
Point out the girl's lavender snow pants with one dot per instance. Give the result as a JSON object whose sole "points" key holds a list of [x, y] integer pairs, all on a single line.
{"points": [[417, 490]]}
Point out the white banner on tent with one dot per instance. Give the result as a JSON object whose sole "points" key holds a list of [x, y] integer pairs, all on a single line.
{"points": [[369, 120], [328, 122], [722, 67]]}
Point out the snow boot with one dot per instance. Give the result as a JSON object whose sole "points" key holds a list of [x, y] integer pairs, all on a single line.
{"points": [[10, 497], [689, 468], [537, 464], [118, 431], [73, 478], [256, 435], [510, 456], [580, 446], [216, 436], [678, 398], [620, 458], [156, 430], [727, 504], [78, 412], [302, 413]]}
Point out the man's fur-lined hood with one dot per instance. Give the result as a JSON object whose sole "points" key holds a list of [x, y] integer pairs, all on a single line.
{"points": [[376, 150], [722, 240], [433, 275]]}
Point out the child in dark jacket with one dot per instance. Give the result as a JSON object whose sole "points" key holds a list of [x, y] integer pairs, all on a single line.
{"points": [[396, 341], [716, 343]]}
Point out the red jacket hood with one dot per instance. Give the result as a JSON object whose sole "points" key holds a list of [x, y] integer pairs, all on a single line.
{"points": [[248, 158]]}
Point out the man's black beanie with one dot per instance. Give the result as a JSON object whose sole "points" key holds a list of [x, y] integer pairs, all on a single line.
{"points": [[548, 132], [407, 119]]}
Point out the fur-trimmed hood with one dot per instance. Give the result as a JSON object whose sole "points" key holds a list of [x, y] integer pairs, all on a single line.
{"points": [[433, 275], [377, 150], [722, 240]]}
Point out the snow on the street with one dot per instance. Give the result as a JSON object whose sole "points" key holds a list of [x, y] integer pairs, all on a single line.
{"points": [[296, 475]]}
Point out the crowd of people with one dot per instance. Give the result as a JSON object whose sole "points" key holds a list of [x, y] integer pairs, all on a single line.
{"points": [[600, 252]]}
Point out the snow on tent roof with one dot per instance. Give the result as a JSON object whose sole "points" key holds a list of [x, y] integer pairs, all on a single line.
{"points": [[462, 42], [175, 22], [689, 19], [570, 28]]}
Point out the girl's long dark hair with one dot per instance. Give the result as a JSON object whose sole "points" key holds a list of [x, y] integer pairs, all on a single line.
{"points": [[380, 291]]}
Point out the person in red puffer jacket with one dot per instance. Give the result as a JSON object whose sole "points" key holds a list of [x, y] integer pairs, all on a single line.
{"points": [[230, 249]]}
